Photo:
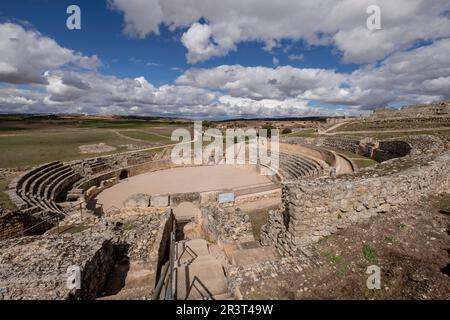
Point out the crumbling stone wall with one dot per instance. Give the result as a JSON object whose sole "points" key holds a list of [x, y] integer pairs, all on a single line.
{"points": [[315, 209], [386, 149], [390, 149], [36, 267], [11, 225], [343, 143], [226, 224], [15, 224]]}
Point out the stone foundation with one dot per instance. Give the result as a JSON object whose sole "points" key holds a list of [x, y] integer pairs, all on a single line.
{"points": [[315, 209], [36, 267], [226, 224]]}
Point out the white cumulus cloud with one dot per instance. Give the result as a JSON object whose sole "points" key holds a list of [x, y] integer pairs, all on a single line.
{"points": [[341, 23]]}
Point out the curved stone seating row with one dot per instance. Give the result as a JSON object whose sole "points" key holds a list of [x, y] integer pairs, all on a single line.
{"points": [[24, 187], [97, 165], [40, 187], [51, 181], [296, 167], [310, 167], [33, 172], [40, 191]]}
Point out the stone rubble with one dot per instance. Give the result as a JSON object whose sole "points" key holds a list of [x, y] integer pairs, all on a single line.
{"points": [[36, 267], [315, 209], [227, 224]]}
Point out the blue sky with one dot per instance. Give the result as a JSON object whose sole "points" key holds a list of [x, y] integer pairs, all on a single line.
{"points": [[102, 35], [215, 59]]}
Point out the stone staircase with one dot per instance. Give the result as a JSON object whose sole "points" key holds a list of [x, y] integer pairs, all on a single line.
{"points": [[296, 167], [197, 274]]}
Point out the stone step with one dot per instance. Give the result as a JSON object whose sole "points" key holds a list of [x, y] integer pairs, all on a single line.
{"points": [[25, 186], [23, 180], [48, 180], [224, 296], [253, 256], [186, 251], [295, 171], [300, 162], [202, 279], [37, 182], [55, 180], [63, 184]]}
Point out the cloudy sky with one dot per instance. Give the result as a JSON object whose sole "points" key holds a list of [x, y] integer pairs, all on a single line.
{"points": [[222, 59]]}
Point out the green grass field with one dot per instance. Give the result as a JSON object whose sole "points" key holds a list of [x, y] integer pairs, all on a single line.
{"points": [[121, 124], [27, 140], [361, 161], [28, 150], [304, 133], [5, 202], [146, 136]]}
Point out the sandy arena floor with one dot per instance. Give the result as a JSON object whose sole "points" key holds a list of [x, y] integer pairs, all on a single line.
{"points": [[179, 180]]}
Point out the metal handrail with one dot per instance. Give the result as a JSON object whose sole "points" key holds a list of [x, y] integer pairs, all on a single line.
{"points": [[168, 272], [48, 219], [169, 289], [35, 225], [158, 288]]}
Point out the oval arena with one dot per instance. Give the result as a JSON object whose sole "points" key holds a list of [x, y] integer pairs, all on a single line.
{"points": [[190, 232]]}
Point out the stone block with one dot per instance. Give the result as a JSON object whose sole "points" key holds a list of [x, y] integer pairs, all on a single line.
{"points": [[138, 200], [177, 198], [160, 200]]}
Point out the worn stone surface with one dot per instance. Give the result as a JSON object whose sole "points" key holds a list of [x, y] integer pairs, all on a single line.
{"points": [[226, 224], [177, 198], [254, 273], [159, 201], [138, 200], [36, 267]]}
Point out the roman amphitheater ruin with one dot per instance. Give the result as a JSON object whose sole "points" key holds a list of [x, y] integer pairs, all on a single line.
{"points": [[144, 228]]}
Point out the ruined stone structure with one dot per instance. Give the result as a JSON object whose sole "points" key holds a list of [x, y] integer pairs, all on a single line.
{"points": [[226, 224], [441, 109], [384, 149], [36, 267], [216, 235], [314, 209], [48, 193]]}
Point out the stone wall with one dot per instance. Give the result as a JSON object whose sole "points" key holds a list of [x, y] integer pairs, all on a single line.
{"points": [[226, 224], [350, 144], [15, 224], [390, 149], [315, 209], [177, 198], [11, 225], [440, 109], [385, 149], [36, 267]]}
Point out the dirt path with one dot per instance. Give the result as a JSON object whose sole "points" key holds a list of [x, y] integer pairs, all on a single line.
{"points": [[129, 138], [155, 134], [337, 125]]}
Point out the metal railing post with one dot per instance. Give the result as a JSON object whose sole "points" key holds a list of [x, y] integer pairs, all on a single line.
{"points": [[169, 290]]}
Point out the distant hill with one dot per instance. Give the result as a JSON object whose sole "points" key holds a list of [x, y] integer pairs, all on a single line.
{"points": [[277, 119], [80, 117]]}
